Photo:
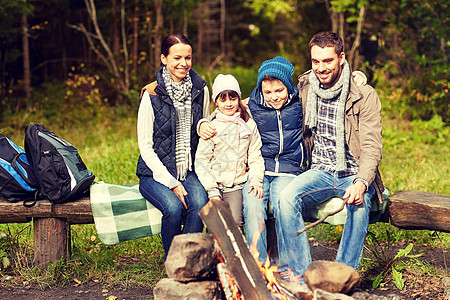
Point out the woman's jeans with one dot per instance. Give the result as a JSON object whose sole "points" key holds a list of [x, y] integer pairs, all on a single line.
{"points": [[172, 209], [255, 215], [310, 189]]}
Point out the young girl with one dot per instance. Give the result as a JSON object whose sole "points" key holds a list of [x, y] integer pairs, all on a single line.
{"points": [[221, 161], [168, 114]]}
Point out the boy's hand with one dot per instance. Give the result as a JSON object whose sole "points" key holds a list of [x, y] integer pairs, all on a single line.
{"points": [[257, 190], [360, 78], [207, 130], [215, 198]]}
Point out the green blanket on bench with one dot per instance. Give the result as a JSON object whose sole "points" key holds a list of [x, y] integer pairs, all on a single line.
{"points": [[121, 213]]}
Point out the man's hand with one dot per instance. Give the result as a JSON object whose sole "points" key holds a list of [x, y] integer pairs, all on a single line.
{"points": [[180, 192], [355, 193], [257, 190], [207, 130]]}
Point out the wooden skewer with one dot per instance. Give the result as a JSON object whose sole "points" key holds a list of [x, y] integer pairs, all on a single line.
{"points": [[322, 219]]}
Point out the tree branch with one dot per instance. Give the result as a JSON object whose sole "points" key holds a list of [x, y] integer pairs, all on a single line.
{"points": [[344, 202]]}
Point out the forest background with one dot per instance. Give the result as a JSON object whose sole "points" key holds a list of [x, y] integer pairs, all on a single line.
{"points": [[78, 67]]}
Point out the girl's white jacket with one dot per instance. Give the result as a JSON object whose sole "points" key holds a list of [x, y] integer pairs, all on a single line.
{"points": [[221, 161]]}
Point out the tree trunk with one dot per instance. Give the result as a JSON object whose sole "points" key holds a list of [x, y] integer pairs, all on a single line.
{"points": [[125, 48], [134, 56], [200, 33], [353, 53], [151, 64], [115, 25], [185, 21], [341, 27], [26, 59], [333, 17], [222, 27], [159, 24]]}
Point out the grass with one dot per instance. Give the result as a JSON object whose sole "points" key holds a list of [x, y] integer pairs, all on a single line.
{"points": [[415, 158]]}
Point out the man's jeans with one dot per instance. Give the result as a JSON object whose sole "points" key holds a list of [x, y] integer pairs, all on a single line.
{"points": [[310, 189], [172, 209], [255, 215]]}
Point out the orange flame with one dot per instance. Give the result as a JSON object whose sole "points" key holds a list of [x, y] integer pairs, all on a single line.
{"points": [[267, 270]]}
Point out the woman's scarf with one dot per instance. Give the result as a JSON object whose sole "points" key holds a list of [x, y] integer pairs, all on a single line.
{"points": [[244, 131], [339, 92], [180, 93]]}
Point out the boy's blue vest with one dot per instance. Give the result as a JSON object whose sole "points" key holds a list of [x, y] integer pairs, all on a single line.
{"points": [[281, 131]]}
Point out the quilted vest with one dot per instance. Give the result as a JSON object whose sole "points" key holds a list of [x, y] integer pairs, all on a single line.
{"points": [[164, 127], [281, 134]]}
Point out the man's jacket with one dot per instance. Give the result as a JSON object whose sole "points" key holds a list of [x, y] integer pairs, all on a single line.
{"points": [[363, 130]]}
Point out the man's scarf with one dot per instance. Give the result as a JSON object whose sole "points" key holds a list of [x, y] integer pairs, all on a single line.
{"points": [[180, 93], [339, 91]]}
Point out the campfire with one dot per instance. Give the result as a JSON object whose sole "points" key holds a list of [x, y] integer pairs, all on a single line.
{"points": [[220, 265], [241, 274]]}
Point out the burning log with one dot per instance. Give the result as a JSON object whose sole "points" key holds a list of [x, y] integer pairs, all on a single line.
{"points": [[237, 257]]}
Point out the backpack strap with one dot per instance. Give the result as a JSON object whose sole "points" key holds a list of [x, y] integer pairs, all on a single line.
{"points": [[150, 88]]}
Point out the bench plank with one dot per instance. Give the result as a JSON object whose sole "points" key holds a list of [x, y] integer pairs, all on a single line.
{"points": [[420, 210], [74, 212]]}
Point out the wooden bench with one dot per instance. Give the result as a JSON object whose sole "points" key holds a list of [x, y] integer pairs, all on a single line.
{"points": [[52, 241], [51, 230]]}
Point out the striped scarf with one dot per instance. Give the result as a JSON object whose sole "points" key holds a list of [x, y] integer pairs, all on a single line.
{"points": [[180, 93], [338, 91]]}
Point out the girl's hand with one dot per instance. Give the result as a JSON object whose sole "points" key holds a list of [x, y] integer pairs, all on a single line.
{"points": [[207, 130], [180, 192], [215, 198], [257, 190]]}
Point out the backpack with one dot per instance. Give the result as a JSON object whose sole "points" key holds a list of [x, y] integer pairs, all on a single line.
{"points": [[61, 172], [17, 180]]}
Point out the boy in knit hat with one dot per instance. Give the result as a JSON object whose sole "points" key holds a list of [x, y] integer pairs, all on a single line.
{"points": [[275, 106]]}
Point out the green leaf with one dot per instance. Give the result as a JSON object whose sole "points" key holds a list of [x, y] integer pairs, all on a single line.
{"points": [[398, 280], [5, 262], [377, 281], [404, 252]]}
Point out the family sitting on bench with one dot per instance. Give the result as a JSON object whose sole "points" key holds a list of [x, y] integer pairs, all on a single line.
{"points": [[293, 146]]}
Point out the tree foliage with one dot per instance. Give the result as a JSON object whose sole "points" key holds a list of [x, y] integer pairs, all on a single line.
{"points": [[402, 44]]}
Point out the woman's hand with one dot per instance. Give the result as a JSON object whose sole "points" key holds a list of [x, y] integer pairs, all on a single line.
{"points": [[244, 102], [180, 192], [207, 130], [257, 190], [217, 198]]}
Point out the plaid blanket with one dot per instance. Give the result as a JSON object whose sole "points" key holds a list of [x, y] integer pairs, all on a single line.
{"points": [[121, 213]]}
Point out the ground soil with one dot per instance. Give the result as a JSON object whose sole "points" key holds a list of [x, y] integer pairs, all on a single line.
{"points": [[416, 287]]}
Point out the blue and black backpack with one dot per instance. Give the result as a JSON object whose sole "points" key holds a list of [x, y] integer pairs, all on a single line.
{"points": [[17, 179]]}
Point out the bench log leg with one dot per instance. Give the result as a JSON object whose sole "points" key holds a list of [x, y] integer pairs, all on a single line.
{"points": [[51, 240]]}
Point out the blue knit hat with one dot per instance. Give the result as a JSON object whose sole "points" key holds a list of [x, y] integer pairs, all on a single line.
{"points": [[279, 68]]}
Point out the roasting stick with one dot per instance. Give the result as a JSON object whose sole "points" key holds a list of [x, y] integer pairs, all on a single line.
{"points": [[322, 219]]}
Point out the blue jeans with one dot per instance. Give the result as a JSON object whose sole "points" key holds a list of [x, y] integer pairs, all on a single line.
{"points": [[255, 215], [310, 189], [172, 209]]}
